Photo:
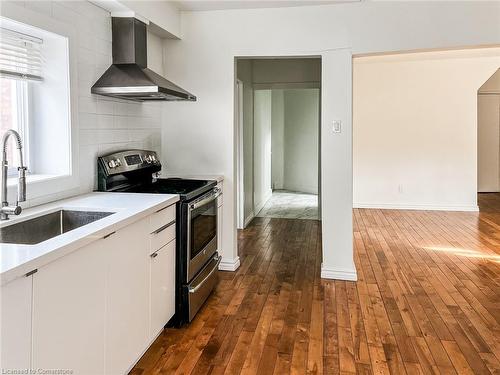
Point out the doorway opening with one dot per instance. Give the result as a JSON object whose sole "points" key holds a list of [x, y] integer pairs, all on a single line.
{"points": [[278, 138], [488, 143]]}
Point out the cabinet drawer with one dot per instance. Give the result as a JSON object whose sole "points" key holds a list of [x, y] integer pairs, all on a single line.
{"points": [[162, 236], [162, 218]]}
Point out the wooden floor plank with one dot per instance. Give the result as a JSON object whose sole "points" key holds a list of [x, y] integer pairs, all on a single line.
{"points": [[427, 300]]}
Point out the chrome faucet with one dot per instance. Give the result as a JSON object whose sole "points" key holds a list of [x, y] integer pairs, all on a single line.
{"points": [[7, 210]]}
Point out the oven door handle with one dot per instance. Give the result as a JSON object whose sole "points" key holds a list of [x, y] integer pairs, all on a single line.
{"points": [[195, 289], [204, 201]]}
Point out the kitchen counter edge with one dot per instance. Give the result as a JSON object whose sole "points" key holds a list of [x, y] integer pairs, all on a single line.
{"points": [[18, 260]]}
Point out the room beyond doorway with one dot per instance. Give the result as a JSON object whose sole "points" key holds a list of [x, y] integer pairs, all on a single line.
{"points": [[488, 135], [278, 115]]}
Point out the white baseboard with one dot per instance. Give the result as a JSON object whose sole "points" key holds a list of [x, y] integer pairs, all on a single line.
{"points": [[229, 264], [302, 189], [423, 207], [338, 274], [248, 220], [261, 205]]}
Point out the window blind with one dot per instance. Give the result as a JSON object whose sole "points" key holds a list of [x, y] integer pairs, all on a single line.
{"points": [[20, 55]]}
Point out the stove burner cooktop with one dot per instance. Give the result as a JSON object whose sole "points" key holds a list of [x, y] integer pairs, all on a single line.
{"points": [[186, 188], [131, 171]]}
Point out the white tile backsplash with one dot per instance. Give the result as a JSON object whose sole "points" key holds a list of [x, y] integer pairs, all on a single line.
{"points": [[104, 107], [87, 104], [44, 7], [105, 121], [88, 121], [105, 124]]}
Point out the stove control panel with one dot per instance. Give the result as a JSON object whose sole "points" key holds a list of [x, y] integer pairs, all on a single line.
{"points": [[128, 161], [150, 159], [114, 163]]}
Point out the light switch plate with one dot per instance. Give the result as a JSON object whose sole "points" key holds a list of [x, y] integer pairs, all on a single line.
{"points": [[337, 126]]}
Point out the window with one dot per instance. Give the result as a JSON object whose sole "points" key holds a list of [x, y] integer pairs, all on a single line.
{"points": [[20, 64], [14, 115], [36, 87]]}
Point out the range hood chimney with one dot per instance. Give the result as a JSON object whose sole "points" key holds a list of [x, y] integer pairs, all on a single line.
{"points": [[129, 77]]}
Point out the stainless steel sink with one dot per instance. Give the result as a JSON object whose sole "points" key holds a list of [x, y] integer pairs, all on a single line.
{"points": [[47, 226]]}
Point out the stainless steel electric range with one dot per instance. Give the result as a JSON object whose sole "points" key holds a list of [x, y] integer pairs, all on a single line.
{"points": [[197, 260]]}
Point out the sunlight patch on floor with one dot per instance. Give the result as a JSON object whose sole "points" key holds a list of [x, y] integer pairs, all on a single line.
{"points": [[469, 253]]}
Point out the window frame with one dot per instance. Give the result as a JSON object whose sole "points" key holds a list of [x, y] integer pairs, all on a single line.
{"points": [[63, 176], [23, 122]]}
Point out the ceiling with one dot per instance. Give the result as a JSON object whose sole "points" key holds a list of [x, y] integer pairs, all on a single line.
{"points": [[201, 5]]}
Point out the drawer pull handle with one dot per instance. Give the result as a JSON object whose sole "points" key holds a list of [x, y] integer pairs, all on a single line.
{"points": [[108, 235], [195, 289], [31, 272], [161, 209], [154, 255], [164, 227]]}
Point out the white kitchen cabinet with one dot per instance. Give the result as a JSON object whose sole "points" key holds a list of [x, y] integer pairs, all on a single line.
{"points": [[69, 304], [15, 328], [162, 287], [94, 310], [127, 305]]}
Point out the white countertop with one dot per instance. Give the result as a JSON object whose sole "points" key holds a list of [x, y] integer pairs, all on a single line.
{"points": [[17, 260]]}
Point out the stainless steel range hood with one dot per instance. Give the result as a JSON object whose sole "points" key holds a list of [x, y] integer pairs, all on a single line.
{"points": [[129, 77]]}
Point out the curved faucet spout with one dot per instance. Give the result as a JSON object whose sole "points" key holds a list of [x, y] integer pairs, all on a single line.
{"points": [[19, 144], [6, 210]]}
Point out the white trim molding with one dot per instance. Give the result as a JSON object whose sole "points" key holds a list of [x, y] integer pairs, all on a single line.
{"points": [[339, 274], [422, 207], [260, 206], [248, 220], [229, 264]]}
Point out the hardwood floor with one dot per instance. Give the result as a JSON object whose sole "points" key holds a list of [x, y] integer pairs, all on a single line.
{"points": [[427, 301]]}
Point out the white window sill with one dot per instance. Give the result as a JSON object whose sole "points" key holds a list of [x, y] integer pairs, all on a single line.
{"points": [[34, 178], [43, 188]]}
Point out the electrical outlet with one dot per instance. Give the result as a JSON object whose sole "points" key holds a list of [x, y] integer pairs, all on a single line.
{"points": [[337, 126], [400, 189]]}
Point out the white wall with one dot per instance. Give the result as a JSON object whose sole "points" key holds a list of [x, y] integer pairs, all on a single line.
{"points": [[100, 125], [488, 143], [488, 133], [155, 53], [164, 14], [415, 125], [301, 140], [278, 139], [262, 148], [295, 139], [283, 73], [492, 85], [204, 62]]}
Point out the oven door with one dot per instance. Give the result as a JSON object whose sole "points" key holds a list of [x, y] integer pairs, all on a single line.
{"points": [[202, 232]]}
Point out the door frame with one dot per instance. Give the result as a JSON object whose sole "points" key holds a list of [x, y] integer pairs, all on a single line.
{"points": [[484, 126], [336, 198], [240, 177], [239, 162]]}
